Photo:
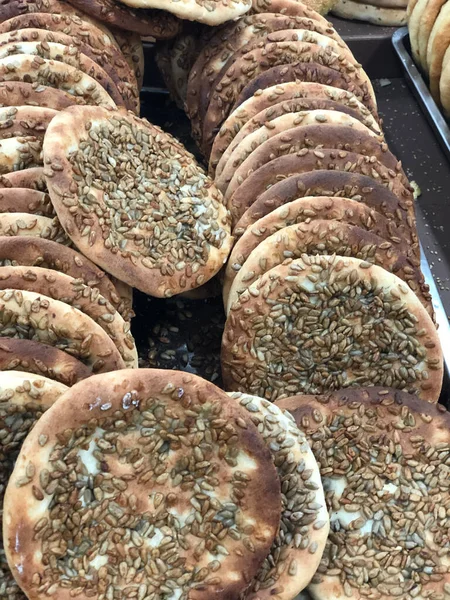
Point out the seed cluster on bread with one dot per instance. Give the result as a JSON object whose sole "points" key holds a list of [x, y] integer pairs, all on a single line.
{"points": [[428, 24]]}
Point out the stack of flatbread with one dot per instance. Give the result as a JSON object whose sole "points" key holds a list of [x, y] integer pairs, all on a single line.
{"points": [[428, 24], [326, 250]]}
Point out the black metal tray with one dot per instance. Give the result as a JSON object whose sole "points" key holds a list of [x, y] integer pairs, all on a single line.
{"points": [[186, 334]]}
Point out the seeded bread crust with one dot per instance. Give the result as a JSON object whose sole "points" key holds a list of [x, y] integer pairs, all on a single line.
{"points": [[271, 351], [55, 323], [380, 419], [19, 153], [326, 237], [389, 17], [37, 252], [29, 356], [327, 135], [19, 93], [23, 200], [27, 225], [64, 288], [157, 277], [131, 396], [251, 64], [283, 126], [308, 210], [158, 24], [307, 160], [131, 47], [292, 96], [23, 67], [294, 556], [110, 58], [306, 72], [337, 184], [69, 56], [18, 121], [223, 46]]}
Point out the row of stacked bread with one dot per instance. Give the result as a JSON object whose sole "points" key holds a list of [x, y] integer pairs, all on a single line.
{"points": [[156, 484], [428, 24], [322, 213]]}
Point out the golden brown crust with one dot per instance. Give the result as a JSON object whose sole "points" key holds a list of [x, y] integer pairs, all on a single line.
{"points": [[270, 349], [18, 121], [29, 356], [28, 225], [135, 399], [408, 441], [32, 178], [336, 184], [326, 237], [312, 160], [30, 315], [387, 17], [308, 210], [138, 259], [23, 200], [19, 93], [251, 64], [58, 286], [37, 252], [340, 137], [20, 153]]}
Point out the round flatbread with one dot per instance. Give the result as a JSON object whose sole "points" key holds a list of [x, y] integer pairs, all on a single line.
{"points": [[282, 126], [308, 72], [309, 210], [299, 544], [176, 447], [19, 93], [22, 200], [19, 121], [388, 17], [427, 19], [158, 24], [34, 316], [251, 64], [109, 58], [336, 184], [68, 55], [413, 30], [444, 84], [32, 179], [332, 135], [130, 45], [213, 13], [266, 104], [438, 43], [326, 322], [131, 243], [73, 292], [28, 68], [20, 153], [29, 356], [38, 252], [385, 483], [27, 225], [324, 237], [24, 399], [307, 160]]}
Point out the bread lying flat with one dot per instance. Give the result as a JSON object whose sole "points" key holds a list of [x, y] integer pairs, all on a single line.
{"points": [[324, 237], [38, 252], [176, 447], [320, 323], [132, 243], [73, 292], [307, 160], [29, 356], [25, 397], [339, 184], [308, 210], [389, 17], [392, 492], [299, 544], [266, 105]]}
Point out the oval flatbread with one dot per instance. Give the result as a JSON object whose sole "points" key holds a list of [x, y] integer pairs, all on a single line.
{"points": [[321, 323], [23, 200], [20, 93], [176, 447], [131, 243], [31, 178], [19, 153], [28, 225], [388, 17], [19, 121]]}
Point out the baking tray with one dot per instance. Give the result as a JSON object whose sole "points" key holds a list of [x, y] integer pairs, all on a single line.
{"points": [[186, 334]]}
